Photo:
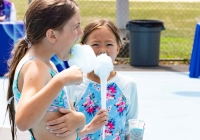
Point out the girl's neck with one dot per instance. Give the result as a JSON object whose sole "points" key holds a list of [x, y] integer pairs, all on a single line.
{"points": [[95, 78], [41, 52]]}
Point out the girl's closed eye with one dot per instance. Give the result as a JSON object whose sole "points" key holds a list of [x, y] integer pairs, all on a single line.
{"points": [[95, 45], [109, 45], [77, 26]]}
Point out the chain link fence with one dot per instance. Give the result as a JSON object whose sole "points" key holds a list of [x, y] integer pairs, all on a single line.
{"points": [[179, 18]]}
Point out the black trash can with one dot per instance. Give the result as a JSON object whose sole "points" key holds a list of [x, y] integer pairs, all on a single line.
{"points": [[144, 43]]}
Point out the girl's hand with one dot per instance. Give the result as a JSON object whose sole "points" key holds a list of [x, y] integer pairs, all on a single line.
{"points": [[66, 124], [71, 76], [99, 120], [127, 137]]}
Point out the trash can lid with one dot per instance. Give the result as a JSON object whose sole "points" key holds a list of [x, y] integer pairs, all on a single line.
{"points": [[146, 23]]}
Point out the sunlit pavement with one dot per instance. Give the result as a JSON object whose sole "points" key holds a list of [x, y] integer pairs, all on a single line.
{"points": [[169, 102]]}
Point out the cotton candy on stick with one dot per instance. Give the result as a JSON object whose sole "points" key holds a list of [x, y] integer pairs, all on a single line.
{"points": [[104, 66], [83, 57]]}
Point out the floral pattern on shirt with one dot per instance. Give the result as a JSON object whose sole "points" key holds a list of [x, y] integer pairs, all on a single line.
{"points": [[121, 105], [90, 104]]}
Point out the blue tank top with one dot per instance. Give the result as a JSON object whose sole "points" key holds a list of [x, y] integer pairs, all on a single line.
{"points": [[61, 101]]}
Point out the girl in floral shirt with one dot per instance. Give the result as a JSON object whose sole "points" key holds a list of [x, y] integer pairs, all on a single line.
{"points": [[122, 103]]}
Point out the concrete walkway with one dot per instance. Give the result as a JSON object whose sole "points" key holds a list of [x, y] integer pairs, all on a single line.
{"points": [[169, 101]]}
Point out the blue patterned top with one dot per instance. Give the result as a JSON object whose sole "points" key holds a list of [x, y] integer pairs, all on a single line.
{"points": [[121, 104], [60, 101], [90, 104]]}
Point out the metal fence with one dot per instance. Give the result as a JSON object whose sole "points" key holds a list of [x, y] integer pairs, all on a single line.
{"points": [[179, 18]]}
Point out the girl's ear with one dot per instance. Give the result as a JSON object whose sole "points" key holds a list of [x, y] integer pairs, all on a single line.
{"points": [[51, 35]]}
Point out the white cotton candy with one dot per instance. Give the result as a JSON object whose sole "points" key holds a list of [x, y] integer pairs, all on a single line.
{"points": [[104, 66], [83, 57]]}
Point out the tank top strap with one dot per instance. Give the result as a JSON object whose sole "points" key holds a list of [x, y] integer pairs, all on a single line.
{"points": [[21, 63], [15, 89]]}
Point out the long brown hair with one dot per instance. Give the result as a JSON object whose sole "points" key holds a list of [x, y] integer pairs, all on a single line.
{"points": [[40, 16], [90, 27]]}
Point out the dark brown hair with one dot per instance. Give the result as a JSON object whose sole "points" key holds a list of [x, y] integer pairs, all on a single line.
{"points": [[90, 27], [40, 16]]}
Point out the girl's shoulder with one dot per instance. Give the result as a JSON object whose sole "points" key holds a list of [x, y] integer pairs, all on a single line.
{"points": [[122, 80], [33, 66], [125, 83]]}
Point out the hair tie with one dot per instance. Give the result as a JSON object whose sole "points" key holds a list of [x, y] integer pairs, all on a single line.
{"points": [[27, 41]]}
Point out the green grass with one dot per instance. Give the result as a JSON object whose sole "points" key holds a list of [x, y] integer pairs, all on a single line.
{"points": [[179, 20], [21, 7]]}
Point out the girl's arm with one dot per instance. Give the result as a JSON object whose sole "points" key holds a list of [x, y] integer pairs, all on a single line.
{"points": [[97, 122], [38, 90], [81, 120], [68, 123]]}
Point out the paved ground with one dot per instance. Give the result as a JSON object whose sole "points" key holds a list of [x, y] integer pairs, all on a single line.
{"points": [[168, 98], [166, 68]]}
